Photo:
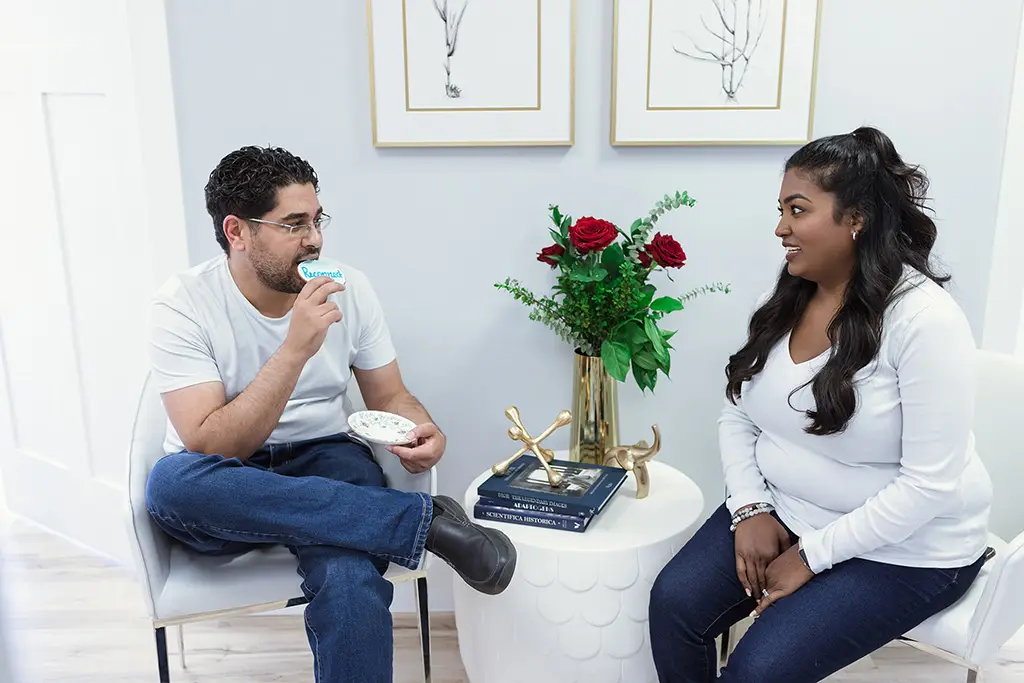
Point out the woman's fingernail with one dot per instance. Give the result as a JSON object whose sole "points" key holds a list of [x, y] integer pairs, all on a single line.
{"points": [[754, 614], [749, 594]]}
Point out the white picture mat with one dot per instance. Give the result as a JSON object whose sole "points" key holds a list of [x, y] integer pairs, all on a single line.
{"points": [[395, 125], [634, 123]]}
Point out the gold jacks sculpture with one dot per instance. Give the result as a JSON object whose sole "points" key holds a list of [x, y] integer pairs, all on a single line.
{"points": [[518, 433], [634, 459]]}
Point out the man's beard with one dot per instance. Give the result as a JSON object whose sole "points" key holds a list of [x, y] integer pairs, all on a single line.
{"points": [[278, 275]]}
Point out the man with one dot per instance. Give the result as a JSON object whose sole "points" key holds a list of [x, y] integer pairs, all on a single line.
{"points": [[253, 365]]}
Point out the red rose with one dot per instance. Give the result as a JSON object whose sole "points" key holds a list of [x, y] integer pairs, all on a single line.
{"points": [[592, 234], [548, 254], [666, 251], [645, 258]]}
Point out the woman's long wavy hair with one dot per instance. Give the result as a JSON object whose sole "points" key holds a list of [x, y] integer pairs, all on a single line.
{"points": [[868, 179]]}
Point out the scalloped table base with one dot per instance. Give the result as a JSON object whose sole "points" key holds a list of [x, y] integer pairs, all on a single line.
{"points": [[576, 609]]}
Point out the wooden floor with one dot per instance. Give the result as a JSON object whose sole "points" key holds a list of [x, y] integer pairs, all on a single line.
{"points": [[74, 617]]}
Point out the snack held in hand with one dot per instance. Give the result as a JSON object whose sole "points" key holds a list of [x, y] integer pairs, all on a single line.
{"points": [[321, 268]]}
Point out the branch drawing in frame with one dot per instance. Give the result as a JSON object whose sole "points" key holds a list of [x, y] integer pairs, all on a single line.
{"points": [[703, 72], [452, 18], [498, 73], [730, 43]]}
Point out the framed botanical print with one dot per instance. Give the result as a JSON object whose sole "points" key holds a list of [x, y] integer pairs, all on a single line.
{"points": [[704, 72], [471, 72]]}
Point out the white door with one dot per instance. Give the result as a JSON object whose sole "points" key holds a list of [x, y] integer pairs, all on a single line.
{"points": [[91, 221]]}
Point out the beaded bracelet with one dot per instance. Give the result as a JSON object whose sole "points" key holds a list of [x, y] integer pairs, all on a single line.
{"points": [[748, 512]]}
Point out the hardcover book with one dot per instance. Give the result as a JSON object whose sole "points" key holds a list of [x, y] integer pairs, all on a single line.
{"points": [[523, 507], [544, 520], [584, 491]]}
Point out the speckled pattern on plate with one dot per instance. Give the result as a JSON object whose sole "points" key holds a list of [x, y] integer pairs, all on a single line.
{"points": [[381, 427]]}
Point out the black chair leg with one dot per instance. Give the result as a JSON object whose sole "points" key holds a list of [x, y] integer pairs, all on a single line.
{"points": [[424, 625], [161, 655]]}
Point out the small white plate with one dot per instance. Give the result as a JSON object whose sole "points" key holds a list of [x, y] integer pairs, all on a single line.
{"points": [[381, 427]]}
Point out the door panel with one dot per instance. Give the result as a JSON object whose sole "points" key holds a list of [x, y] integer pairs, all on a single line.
{"points": [[82, 179]]}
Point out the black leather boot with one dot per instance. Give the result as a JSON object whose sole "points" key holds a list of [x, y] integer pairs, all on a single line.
{"points": [[484, 558]]}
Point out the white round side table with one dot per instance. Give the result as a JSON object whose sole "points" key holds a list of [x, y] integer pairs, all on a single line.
{"points": [[576, 609]]}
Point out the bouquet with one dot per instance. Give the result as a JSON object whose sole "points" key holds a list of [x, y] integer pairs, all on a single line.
{"points": [[602, 302]]}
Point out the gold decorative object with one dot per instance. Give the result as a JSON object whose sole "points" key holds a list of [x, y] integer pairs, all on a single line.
{"points": [[595, 411], [634, 459], [518, 433]]}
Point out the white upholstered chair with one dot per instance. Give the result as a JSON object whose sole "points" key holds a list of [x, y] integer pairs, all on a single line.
{"points": [[970, 632], [180, 586]]}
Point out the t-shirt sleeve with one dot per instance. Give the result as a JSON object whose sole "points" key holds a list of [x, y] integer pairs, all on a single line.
{"points": [[374, 346], [180, 352]]}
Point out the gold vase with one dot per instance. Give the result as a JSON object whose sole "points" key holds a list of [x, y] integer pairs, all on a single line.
{"points": [[595, 411]]}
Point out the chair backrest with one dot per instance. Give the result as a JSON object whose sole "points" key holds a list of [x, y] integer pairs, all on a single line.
{"points": [[150, 429], [998, 419], [149, 546]]}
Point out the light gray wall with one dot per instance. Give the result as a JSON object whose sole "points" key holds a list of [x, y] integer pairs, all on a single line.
{"points": [[435, 228]]}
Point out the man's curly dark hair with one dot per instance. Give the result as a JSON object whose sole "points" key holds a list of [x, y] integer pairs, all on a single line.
{"points": [[246, 181]]}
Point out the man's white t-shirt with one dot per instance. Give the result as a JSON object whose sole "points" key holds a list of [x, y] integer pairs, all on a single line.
{"points": [[204, 330]]}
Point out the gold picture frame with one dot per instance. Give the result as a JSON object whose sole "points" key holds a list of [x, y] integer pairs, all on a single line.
{"points": [[797, 96], [397, 122]]}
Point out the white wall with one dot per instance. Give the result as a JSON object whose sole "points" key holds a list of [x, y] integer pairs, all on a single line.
{"points": [[435, 228]]}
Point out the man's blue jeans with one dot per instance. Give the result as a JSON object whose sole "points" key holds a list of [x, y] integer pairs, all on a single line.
{"points": [[325, 500], [835, 619]]}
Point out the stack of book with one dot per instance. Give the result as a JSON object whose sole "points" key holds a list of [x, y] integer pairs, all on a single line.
{"points": [[524, 496]]}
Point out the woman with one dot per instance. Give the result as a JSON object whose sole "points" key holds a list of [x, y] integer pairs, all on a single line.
{"points": [[857, 505]]}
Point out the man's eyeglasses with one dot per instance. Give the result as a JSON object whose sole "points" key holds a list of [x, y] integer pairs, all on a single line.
{"points": [[322, 221]]}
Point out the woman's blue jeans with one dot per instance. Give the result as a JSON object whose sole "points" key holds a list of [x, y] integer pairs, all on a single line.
{"points": [[325, 500], [835, 619]]}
